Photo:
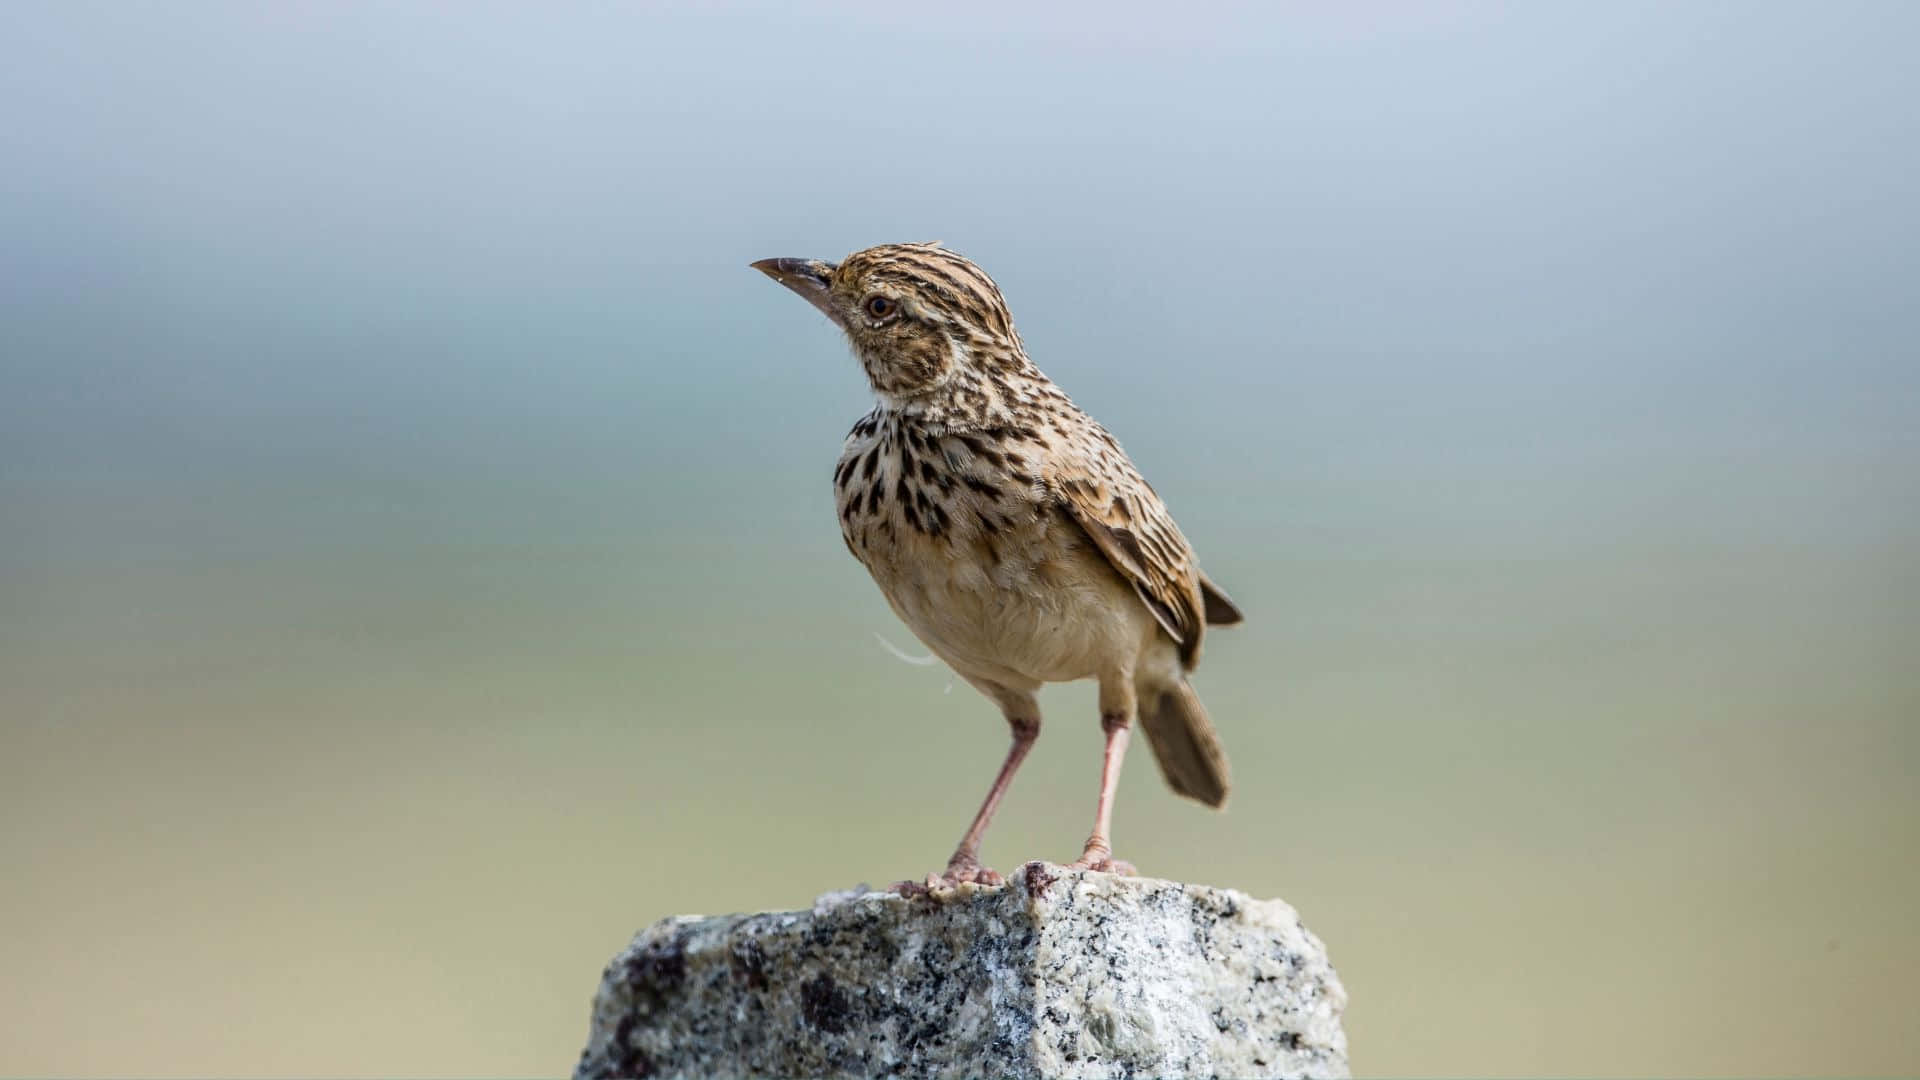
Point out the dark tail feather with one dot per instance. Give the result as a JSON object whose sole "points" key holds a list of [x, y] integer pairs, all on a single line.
{"points": [[1220, 610], [1184, 742]]}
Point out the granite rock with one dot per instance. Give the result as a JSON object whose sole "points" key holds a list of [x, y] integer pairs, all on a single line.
{"points": [[1057, 973]]}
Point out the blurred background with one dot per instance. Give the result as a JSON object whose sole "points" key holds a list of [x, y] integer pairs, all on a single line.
{"points": [[418, 568]]}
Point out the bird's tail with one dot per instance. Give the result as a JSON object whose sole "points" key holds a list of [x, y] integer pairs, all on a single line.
{"points": [[1185, 744]]}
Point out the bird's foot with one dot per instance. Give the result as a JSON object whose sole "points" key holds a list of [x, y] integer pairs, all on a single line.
{"points": [[1099, 858], [961, 870]]}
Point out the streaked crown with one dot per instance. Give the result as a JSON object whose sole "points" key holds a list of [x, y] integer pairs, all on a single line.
{"points": [[917, 314]]}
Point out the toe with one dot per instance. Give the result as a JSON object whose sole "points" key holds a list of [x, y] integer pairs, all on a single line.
{"points": [[956, 874], [985, 875], [972, 875], [966, 868], [923, 887], [1103, 862]]}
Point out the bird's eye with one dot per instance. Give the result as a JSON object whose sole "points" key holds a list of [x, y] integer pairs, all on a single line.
{"points": [[880, 307]]}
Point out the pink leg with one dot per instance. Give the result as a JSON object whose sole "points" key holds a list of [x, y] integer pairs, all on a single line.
{"points": [[966, 858], [1099, 850], [1023, 717]]}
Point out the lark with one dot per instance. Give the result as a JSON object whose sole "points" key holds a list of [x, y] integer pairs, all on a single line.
{"points": [[1008, 529]]}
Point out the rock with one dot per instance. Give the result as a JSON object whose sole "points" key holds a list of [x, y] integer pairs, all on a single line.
{"points": [[1057, 973]]}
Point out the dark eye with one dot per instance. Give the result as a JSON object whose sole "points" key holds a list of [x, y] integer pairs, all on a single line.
{"points": [[880, 307]]}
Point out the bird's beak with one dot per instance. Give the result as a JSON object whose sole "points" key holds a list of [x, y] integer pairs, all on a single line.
{"points": [[808, 277]]}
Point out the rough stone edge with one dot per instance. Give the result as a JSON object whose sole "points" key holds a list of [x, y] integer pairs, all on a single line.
{"points": [[1031, 882]]}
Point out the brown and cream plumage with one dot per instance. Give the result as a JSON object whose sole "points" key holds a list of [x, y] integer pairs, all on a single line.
{"points": [[1008, 529]]}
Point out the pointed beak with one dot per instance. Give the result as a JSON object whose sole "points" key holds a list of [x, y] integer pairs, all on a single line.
{"points": [[808, 277]]}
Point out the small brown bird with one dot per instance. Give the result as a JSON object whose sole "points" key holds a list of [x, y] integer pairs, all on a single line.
{"points": [[1008, 530]]}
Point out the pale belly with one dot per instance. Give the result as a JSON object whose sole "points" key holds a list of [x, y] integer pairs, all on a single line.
{"points": [[1024, 621]]}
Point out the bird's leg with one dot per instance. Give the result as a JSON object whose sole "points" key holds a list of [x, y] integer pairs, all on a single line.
{"points": [[965, 864], [1023, 720], [1116, 718]]}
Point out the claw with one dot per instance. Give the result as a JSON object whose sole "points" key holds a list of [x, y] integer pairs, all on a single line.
{"points": [[912, 889], [957, 873], [1101, 860], [978, 875], [1105, 866]]}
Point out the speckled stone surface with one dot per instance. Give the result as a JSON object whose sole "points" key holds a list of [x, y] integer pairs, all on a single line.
{"points": [[1057, 973]]}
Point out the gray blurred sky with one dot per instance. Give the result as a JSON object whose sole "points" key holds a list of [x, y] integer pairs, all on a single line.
{"points": [[1531, 236]]}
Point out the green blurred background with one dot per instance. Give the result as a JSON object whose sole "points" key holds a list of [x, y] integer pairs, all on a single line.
{"points": [[418, 569]]}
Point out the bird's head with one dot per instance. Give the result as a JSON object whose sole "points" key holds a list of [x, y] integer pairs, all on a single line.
{"points": [[918, 315]]}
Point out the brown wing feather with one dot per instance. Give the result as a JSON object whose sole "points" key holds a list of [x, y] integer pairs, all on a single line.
{"points": [[1106, 495]]}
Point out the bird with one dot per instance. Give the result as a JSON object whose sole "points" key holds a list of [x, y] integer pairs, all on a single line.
{"points": [[1009, 531]]}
